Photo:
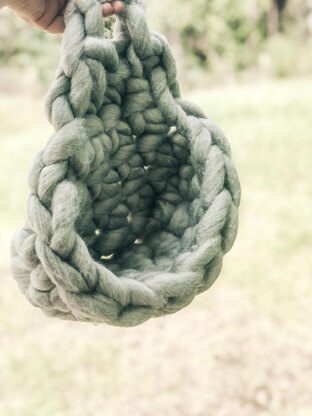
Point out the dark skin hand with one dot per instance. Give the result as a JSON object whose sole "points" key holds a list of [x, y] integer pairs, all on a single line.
{"points": [[49, 14]]}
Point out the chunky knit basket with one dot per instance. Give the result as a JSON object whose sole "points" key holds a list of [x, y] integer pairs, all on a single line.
{"points": [[134, 200]]}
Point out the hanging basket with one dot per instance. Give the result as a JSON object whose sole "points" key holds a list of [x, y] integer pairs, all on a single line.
{"points": [[134, 200]]}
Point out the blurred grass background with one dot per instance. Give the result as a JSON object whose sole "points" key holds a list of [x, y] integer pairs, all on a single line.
{"points": [[244, 348]]}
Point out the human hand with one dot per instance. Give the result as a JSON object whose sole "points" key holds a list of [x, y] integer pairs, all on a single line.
{"points": [[49, 14]]}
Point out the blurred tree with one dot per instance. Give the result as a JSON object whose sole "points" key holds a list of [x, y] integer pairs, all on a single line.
{"points": [[211, 30], [280, 6], [23, 47], [276, 16], [309, 18], [225, 36], [26, 48]]}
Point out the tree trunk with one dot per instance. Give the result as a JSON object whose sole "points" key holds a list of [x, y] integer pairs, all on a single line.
{"points": [[280, 7], [275, 16], [272, 21], [309, 18]]}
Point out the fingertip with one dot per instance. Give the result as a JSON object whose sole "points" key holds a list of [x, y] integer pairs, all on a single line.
{"points": [[118, 6], [107, 9]]}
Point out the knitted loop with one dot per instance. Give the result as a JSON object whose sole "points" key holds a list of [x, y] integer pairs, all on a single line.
{"points": [[134, 199]]}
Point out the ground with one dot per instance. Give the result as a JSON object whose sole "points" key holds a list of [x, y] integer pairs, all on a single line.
{"points": [[244, 348]]}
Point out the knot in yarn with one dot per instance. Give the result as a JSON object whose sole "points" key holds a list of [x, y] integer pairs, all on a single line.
{"points": [[134, 199]]}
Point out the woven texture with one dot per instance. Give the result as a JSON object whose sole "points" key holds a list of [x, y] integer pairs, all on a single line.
{"points": [[134, 200]]}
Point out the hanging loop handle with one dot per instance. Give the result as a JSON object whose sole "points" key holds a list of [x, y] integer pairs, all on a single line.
{"points": [[133, 25], [84, 17]]}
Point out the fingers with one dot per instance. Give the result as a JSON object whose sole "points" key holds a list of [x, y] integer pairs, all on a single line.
{"points": [[58, 25], [107, 9], [46, 15], [52, 19], [118, 7], [111, 8]]}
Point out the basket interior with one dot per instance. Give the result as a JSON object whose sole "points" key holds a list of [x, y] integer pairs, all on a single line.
{"points": [[141, 183]]}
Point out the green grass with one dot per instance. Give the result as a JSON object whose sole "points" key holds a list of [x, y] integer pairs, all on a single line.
{"points": [[243, 348], [269, 126]]}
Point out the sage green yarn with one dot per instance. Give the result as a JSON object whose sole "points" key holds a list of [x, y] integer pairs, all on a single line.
{"points": [[134, 199]]}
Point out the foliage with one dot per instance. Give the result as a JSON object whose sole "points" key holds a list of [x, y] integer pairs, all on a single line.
{"points": [[209, 36], [26, 48], [231, 35], [23, 47]]}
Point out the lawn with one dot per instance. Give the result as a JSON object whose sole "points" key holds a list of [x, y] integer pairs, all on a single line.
{"points": [[244, 348]]}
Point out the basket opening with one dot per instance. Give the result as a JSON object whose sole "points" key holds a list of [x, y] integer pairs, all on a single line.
{"points": [[141, 179]]}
